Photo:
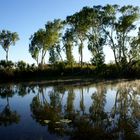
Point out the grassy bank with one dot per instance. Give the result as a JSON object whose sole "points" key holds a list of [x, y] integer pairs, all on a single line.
{"points": [[66, 73]]}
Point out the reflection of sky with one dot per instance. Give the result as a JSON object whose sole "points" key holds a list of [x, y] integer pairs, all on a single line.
{"points": [[86, 96], [27, 128], [110, 99]]}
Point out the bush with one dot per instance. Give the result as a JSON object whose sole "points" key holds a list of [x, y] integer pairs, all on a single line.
{"points": [[6, 64], [21, 66]]}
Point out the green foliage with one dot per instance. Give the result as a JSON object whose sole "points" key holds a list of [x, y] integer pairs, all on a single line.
{"points": [[21, 65], [68, 41], [38, 45], [53, 32], [44, 40], [99, 26], [119, 23], [6, 65], [98, 59], [7, 39], [54, 58], [80, 26]]}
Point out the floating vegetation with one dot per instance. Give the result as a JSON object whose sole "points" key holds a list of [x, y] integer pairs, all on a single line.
{"points": [[46, 121], [57, 122], [65, 121]]}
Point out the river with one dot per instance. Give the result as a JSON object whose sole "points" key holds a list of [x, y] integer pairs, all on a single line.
{"points": [[102, 111]]}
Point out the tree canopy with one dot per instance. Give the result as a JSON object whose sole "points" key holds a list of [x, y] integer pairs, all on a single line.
{"points": [[8, 38]]}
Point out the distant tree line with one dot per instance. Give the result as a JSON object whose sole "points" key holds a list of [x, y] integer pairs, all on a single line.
{"points": [[92, 27]]}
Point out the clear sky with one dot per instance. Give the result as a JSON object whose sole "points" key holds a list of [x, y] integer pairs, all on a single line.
{"points": [[26, 16]]}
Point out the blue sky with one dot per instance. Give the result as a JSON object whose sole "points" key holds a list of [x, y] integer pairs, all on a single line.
{"points": [[26, 16]]}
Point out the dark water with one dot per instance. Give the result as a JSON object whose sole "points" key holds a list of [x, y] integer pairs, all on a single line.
{"points": [[103, 111]]}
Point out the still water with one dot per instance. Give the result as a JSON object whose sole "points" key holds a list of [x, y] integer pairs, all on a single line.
{"points": [[102, 111]]}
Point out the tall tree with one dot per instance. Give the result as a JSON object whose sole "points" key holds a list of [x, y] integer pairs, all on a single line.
{"points": [[95, 34], [54, 33], [54, 57], [80, 27], [44, 40], [38, 46], [68, 41], [119, 23], [135, 45], [7, 39]]}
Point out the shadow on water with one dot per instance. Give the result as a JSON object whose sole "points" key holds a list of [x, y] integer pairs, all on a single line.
{"points": [[100, 111]]}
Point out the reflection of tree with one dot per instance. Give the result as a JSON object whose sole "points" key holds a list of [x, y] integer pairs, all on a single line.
{"points": [[96, 110], [82, 106], [7, 116], [55, 107], [49, 112], [124, 114], [120, 123], [70, 111], [6, 91], [23, 89], [39, 105], [91, 126], [44, 109]]}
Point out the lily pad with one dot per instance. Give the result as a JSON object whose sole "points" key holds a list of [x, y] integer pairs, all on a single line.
{"points": [[46, 121], [65, 121], [57, 122]]}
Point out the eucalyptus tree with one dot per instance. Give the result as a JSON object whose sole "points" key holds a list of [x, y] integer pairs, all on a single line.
{"points": [[119, 23], [54, 33], [54, 52], [135, 44], [44, 40], [80, 27], [95, 35], [68, 41], [8, 38], [38, 46]]}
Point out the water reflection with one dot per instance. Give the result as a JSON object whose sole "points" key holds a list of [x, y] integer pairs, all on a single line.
{"points": [[7, 115], [49, 112], [118, 123], [102, 111], [125, 112]]}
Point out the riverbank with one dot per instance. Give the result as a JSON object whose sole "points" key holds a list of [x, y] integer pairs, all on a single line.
{"points": [[66, 80], [66, 75]]}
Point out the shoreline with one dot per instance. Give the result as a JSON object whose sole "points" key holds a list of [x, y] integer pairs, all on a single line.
{"points": [[67, 81]]}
